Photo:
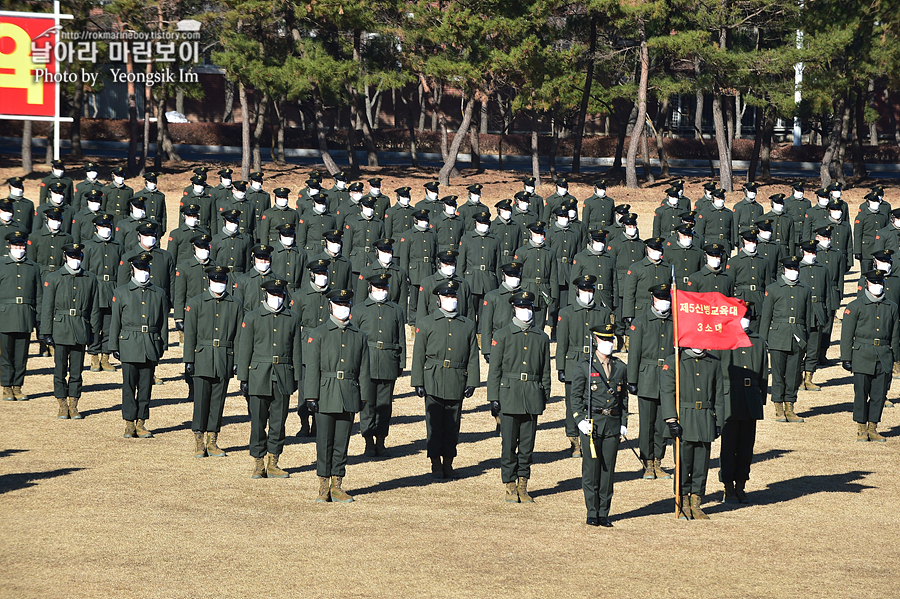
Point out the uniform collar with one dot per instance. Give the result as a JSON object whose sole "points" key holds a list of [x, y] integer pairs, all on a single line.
{"points": [[226, 297]]}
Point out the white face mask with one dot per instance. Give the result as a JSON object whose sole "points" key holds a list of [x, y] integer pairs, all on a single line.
{"points": [[262, 266], [750, 246], [523, 206], [54, 225], [561, 190], [6, 216], [230, 227], [217, 287], [281, 202], [586, 297], [448, 270], [713, 261], [16, 192], [885, 266], [876, 289], [148, 241], [809, 258], [605, 347], [56, 198], [745, 323], [151, 185], [822, 202], [513, 282], [403, 200], [474, 198], [368, 212], [505, 214], [202, 254], [431, 195], [662, 306], [873, 206], [356, 196], [825, 243], [321, 280], [798, 194], [93, 206], [836, 215], [686, 242], [138, 213], [375, 191], [17, 253], [104, 232], [320, 208], [563, 221], [573, 214], [672, 201], [341, 184], [449, 210], [334, 248], [198, 189], [141, 276], [226, 182], [274, 301], [313, 191], [286, 241], [836, 194], [524, 314], [191, 221], [777, 208], [385, 257], [92, 175], [765, 235], [529, 189], [718, 203], [631, 231], [73, 263], [654, 255], [680, 193], [378, 294], [791, 275], [751, 195], [598, 246], [600, 193], [239, 195], [448, 303], [422, 225], [538, 239], [255, 185], [482, 228], [58, 172]]}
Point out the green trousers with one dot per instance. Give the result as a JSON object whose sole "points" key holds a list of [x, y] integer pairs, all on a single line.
{"points": [[517, 434], [332, 443], [597, 473]]}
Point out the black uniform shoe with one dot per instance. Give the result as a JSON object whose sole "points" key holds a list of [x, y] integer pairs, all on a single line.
{"points": [[605, 522], [591, 521]]}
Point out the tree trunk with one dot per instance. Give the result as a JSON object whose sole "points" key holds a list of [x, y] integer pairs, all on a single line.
{"points": [[436, 97], [501, 105], [228, 117], [837, 164], [645, 157], [27, 165], [621, 127], [356, 104], [261, 113], [833, 142], [631, 179], [319, 114], [475, 143], [725, 176], [351, 141], [698, 110], [757, 144], [411, 127], [483, 121], [278, 153], [535, 156], [179, 99], [767, 134], [662, 117], [75, 127], [738, 117], [859, 159], [585, 97], [245, 133], [48, 156], [891, 116], [450, 164], [729, 121], [554, 144], [421, 92], [870, 101]]}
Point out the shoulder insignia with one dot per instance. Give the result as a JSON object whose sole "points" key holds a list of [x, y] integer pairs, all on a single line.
{"points": [[493, 342], [121, 262], [727, 266], [46, 283], [243, 325], [628, 273], [665, 367], [767, 293], [402, 239], [187, 308], [690, 283], [574, 262], [301, 221], [117, 228], [632, 327], [264, 217], [184, 193], [421, 288], [485, 302], [29, 242], [559, 319], [847, 311], [177, 273], [170, 238], [878, 237], [346, 226], [417, 329], [856, 222]]}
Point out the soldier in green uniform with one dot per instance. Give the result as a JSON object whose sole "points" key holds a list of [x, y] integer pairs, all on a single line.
{"points": [[384, 263], [565, 242], [311, 303], [641, 276], [507, 231], [417, 253], [596, 260], [797, 206], [137, 338], [249, 287], [479, 260], [179, 243], [190, 280], [706, 200], [626, 247], [766, 246], [752, 273], [198, 195], [223, 189], [23, 208], [83, 221], [782, 225], [555, 200], [870, 345], [817, 278], [841, 233], [259, 197], [600, 405], [361, 231], [8, 223], [496, 310], [90, 183], [382, 202], [308, 194], [748, 210], [268, 366], [212, 331], [56, 203], [652, 336], [45, 248], [117, 194], [248, 216], [712, 276], [815, 213], [230, 247], [384, 323], [430, 201], [57, 176], [350, 210], [888, 238], [884, 262], [746, 372], [70, 317], [685, 257], [21, 296], [787, 316], [448, 226], [287, 259], [620, 212], [872, 217], [598, 209], [313, 224], [337, 385], [540, 271], [523, 214], [518, 390], [444, 371], [340, 269], [835, 190], [536, 201], [836, 263], [398, 219], [154, 200], [162, 269], [199, 178], [102, 256], [279, 214], [689, 219], [715, 222], [471, 207], [668, 215], [126, 228], [698, 422], [447, 270], [573, 345], [339, 194]]}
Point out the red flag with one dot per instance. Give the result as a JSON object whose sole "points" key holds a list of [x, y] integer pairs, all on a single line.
{"points": [[709, 320]]}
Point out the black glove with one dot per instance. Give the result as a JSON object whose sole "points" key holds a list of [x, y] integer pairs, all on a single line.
{"points": [[420, 391], [857, 256], [718, 432], [245, 388], [189, 368], [846, 365], [179, 325], [495, 408], [487, 358], [117, 355], [628, 320], [561, 375], [632, 388], [469, 392], [312, 405], [675, 429], [48, 340]]}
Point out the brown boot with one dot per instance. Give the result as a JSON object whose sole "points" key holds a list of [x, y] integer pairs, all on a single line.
{"points": [[324, 494], [896, 370], [448, 467], [370, 447], [873, 434], [212, 448], [648, 469], [779, 412], [129, 430], [95, 363], [272, 470], [739, 491], [259, 468], [180, 337], [626, 343], [17, 392], [789, 415], [337, 493], [380, 450], [684, 511], [73, 408], [808, 384], [522, 490], [862, 432], [63, 413], [105, 366], [658, 471], [141, 431], [576, 447], [512, 493], [8, 394], [199, 446], [696, 512], [730, 496], [888, 403], [157, 381], [437, 469]]}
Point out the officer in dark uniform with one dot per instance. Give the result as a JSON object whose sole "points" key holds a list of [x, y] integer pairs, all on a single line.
{"points": [[287, 259], [870, 345], [836, 263], [249, 287], [56, 203], [102, 256], [641, 276], [689, 219], [873, 216], [786, 319], [339, 194], [841, 234], [279, 214], [338, 383], [117, 194], [198, 178], [179, 244], [230, 247], [360, 233], [259, 197], [154, 201], [398, 219], [268, 366], [197, 194], [555, 200], [23, 208], [83, 221], [212, 331], [817, 278], [472, 206], [600, 406], [313, 224], [767, 247], [782, 225], [340, 269], [90, 183], [162, 268], [384, 323], [626, 247], [507, 231], [518, 390], [540, 271], [248, 216], [596, 260], [698, 422], [684, 256], [573, 345], [382, 202], [418, 251], [524, 214], [479, 260], [444, 371], [70, 317], [566, 242], [884, 262], [21, 296], [311, 303], [384, 263], [652, 337], [668, 215], [746, 371], [620, 212], [190, 280], [496, 309], [598, 209], [706, 200], [748, 210], [430, 202], [137, 337], [446, 271], [57, 177], [712, 276]]}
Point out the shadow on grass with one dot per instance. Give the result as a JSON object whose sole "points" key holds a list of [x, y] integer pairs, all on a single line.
{"points": [[836, 408], [5, 453], [23, 480], [423, 478]]}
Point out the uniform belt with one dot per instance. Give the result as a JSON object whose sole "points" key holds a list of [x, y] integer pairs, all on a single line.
{"points": [[702, 405], [608, 412], [340, 375], [536, 280], [506, 252], [215, 342], [748, 383], [426, 259], [523, 376], [142, 329], [661, 362], [878, 342], [18, 300], [444, 363], [482, 267], [600, 286], [564, 259], [276, 360], [721, 235], [70, 312], [383, 345], [106, 277], [788, 320], [747, 287]]}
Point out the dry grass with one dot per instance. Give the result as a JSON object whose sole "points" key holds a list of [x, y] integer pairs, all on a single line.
{"points": [[85, 513]]}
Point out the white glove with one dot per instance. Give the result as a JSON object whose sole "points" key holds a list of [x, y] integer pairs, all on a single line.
{"points": [[585, 427], [623, 431]]}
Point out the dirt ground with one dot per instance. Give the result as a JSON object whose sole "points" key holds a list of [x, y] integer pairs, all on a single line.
{"points": [[85, 513]]}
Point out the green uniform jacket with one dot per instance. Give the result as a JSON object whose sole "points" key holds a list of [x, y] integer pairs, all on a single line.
{"points": [[49, 180], [626, 252], [772, 253], [232, 251], [270, 350], [138, 327], [891, 286], [866, 323], [887, 238], [523, 219], [746, 371], [45, 248], [573, 335], [116, 199], [23, 212], [702, 397], [428, 302], [783, 231], [338, 199], [248, 287], [786, 314], [496, 313], [310, 229], [602, 266], [212, 330], [398, 220], [752, 274], [219, 192], [102, 257], [70, 311], [434, 208], [179, 243], [535, 204], [40, 219], [706, 280], [340, 271], [639, 278], [21, 295], [511, 237], [208, 210], [346, 211], [598, 212], [745, 214], [382, 203], [591, 390], [83, 227], [417, 254], [271, 219], [841, 237], [126, 230], [384, 325], [155, 203], [360, 235], [465, 213], [262, 201], [866, 227], [665, 219], [448, 231], [312, 306], [290, 263], [337, 368], [304, 200], [247, 221], [519, 375], [717, 226], [836, 264], [651, 342], [162, 269], [479, 261], [540, 271], [85, 187], [686, 260], [797, 209], [552, 202], [816, 277], [190, 281], [566, 243], [398, 289], [445, 355]]}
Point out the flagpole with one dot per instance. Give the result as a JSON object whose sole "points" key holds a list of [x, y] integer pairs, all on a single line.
{"points": [[678, 506]]}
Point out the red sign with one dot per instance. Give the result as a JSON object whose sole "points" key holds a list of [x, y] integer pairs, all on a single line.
{"points": [[26, 55], [709, 320]]}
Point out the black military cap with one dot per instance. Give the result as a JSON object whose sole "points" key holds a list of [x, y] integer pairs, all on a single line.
{"points": [[623, 209], [522, 196], [239, 185], [449, 200], [877, 189], [335, 236], [119, 170], [142, 260], [662, 291], [512, 268], [355, 186], [685, 229], [151, 176], [232, 215], [883, 255], [835, 186], [719, 193], [690, 215], [198, 180], [764, 224], [148, 228], [750, 234], [320, 265], [714, 249], [562, 183], [475, 188], [275, 286], [217, 273], [672, 192], [190, 209], [95, 194], [529, 181], [421, 214], [809, 246], [710, 186], [605, 330], [257, 176], [103, 219], [91, 166], [226, 172], [835, 205], [403, 191], [382, 280], [537, 227], [448, 256], [281, 192], [73, 249], [629, 219], [202, 240], [138, 202], [57, 187], [314, 183], [825, 231], [599, 234], [340, 296], [56, 213], [874, 275], [482, 216], [375, 182], [570, 204], [791, 262], [585, 281], [895, 213], [751, 312], [17, 237], [751, 185], [655, 243], [872, 197], [678, 184], [561, 211], [201, 170], [287, 229], [340, 176], [385, 245], [261, 251], [448, 287], [431, 186], [5, 205], [798, 186], [367, 201], [316, 174], [522, 298], [600, 184], [822, 193], [777, 198], [503, 205], [57, 164], [16, 182]]}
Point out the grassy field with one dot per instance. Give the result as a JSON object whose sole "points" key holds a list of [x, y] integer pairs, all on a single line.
{"points": [[85, 513]]}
